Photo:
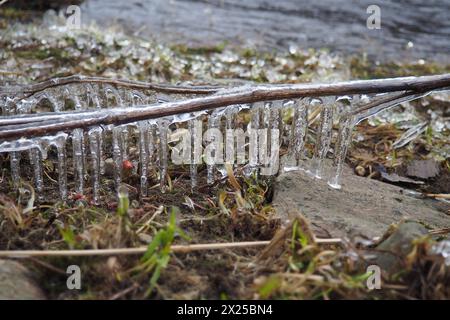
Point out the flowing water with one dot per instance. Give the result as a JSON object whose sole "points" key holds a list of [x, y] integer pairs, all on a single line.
{"points": [[410, 29]]}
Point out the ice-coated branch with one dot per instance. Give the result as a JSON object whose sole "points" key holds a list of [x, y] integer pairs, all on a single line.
{"points": [[20, 126], [28, 90]]}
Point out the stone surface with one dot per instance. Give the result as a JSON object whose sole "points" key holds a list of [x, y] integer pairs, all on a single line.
{"points": [[393, 251], [362, 207], [16, 283], [423, 169]]}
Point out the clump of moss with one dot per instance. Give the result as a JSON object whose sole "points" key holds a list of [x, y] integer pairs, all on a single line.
{"points": [[362, 67]]}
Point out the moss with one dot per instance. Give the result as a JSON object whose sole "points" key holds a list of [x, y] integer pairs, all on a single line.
{"points": [[364, 68], [43, 53], [201, 50], [15, 14]]}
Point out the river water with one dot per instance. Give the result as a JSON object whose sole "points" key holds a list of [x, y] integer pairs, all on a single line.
{"points": [[410, 29]]}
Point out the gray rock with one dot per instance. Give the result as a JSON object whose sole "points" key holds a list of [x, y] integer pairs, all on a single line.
{"points": [[391, 252], [423, 169], [362, 207], [16, 283]]}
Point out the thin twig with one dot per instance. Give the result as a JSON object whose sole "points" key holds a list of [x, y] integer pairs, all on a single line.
{"points": [[439, 231], [438, 195], [122, 293], [28, 90], [139, 250]]}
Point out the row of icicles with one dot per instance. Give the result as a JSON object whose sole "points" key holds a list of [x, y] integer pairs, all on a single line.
{"points": [[151, 137]]}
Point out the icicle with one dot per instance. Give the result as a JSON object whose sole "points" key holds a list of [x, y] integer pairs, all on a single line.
{"points": [[264, 135], [323, 137], [268, 138], [54, 96], [213, 123], [195, 129], [101, 151], [70, 93], [93, 95], [15, 167], [117, 156], [3, 109], [94, 145], [346, 124], [230, 117], [299, 129], [411, 134], [35, 160], [110, 90], [26, 105], [152, 154], [78, 158], [124, 137], [254, 127], [276, 132], [143, 154], [127, 96], [60, 144], [163, 127], [138, 98]]}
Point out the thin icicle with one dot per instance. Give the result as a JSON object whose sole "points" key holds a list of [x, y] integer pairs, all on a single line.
{"points": [[230, 117], [163, 153], [346, 124], [78, 159], [60, 144], [117, 157], [124, 140], [299, 130], [35, 160], [26, 105], [213, 147], [114, 93], [276, 132], [264, 135], [323, 137], [255, 123], [193, 165], [144, 129], [101, 151], [269, 138], [94, 144], [15, 167], [152, 145], [195, 129], [93, 95]]}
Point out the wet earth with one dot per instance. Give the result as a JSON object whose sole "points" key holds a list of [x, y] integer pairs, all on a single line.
{"points": [[410, 29]]}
